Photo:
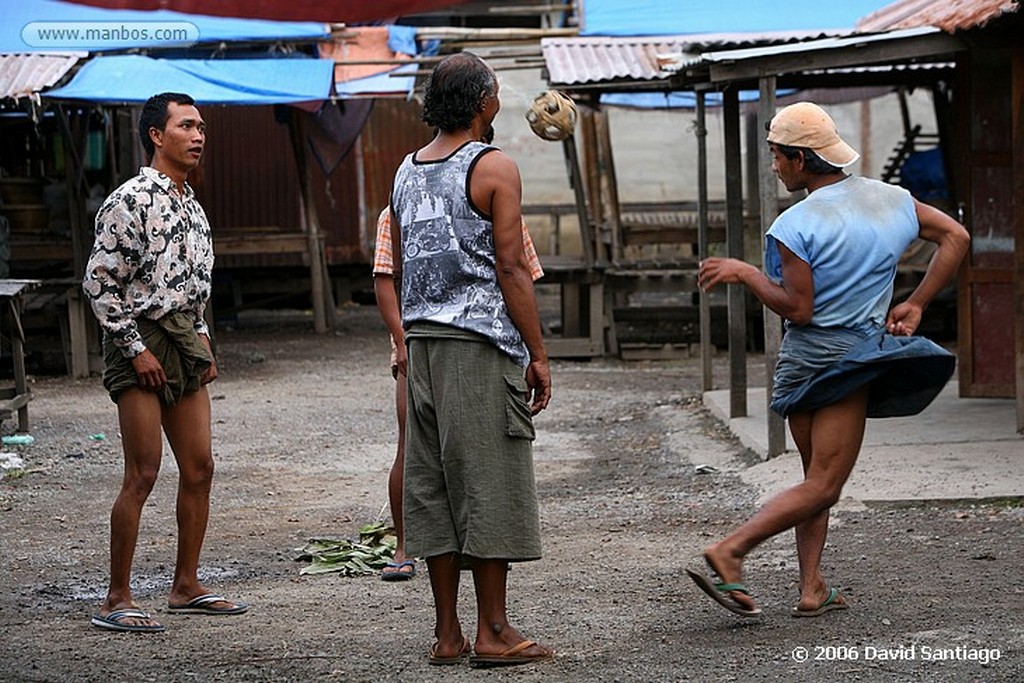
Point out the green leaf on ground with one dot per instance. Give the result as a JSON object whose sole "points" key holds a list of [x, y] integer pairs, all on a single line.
{"points": [[371, 553]]}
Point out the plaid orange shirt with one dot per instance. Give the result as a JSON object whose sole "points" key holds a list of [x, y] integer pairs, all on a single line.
{"points": [[384, 259]]}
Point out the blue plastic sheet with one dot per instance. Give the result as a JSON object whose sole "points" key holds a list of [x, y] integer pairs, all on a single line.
{"points": [[134, 79]]}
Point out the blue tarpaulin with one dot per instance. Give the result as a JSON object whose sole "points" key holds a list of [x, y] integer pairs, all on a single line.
{"points": [[673, 17], [674, 100], [51, 26], [134, 78]]}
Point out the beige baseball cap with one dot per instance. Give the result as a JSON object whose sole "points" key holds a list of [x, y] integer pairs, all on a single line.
{"points": [[805, 124]]}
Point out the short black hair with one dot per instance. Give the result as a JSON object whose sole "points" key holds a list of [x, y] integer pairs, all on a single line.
{"points": [[455, 90], [813, 163], [155, 115]]}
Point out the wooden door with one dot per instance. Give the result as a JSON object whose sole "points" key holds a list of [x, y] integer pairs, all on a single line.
{"points": [[985, 194]]}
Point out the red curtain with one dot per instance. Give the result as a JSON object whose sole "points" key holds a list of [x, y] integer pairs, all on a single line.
{"points": [[327, 11]]}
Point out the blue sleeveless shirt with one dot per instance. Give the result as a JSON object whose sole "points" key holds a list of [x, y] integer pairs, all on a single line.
{"points": [[852, 234]]}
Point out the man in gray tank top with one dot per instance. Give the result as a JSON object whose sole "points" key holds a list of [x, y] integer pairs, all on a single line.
{"points": [[477, 367]]}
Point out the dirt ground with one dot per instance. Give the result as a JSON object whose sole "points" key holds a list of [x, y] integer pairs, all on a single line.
{"points": [[304, 436]]}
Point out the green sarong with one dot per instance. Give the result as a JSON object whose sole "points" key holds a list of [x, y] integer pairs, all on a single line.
{"points": [[175, 343]]}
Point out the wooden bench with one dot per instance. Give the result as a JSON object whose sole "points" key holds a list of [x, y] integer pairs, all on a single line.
{"points": [[581, 302], [15, 399]]}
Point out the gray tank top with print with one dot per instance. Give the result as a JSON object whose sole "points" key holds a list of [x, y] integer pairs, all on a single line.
{"points": [[448, 271]]}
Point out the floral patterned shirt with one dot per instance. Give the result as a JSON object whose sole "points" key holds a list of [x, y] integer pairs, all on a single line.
{"points": [[153, 254]]}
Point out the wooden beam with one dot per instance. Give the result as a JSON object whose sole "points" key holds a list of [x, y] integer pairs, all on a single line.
{"points": [[707, 348], [609, 186], [495, 34], [1017, 117], [576, 181], [769, 203], [319, 290], [587, 128], [734, 245]]}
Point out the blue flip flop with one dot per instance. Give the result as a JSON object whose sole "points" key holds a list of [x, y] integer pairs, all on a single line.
{"points": [[398, 574]]}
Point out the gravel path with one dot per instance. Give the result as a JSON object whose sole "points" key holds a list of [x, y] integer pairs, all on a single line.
{"points": [[304, 436]]}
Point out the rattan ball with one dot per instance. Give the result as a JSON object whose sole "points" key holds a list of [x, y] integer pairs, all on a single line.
{"points": [[552, 115]]}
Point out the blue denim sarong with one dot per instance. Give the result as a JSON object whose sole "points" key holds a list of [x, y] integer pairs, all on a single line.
{"points": [[819, 366]]}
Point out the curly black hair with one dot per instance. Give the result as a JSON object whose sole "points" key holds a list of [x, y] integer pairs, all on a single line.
{"points": [[456, 90], [155, 115]]}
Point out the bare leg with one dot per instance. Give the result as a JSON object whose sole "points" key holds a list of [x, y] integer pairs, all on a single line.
{"points": [[396, 479], [187, 425], [835, 436], [812, 533], [138, 414], [494, 635], [444, 583]]}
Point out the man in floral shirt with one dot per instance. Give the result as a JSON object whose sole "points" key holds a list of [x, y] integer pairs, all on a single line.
{"points": [[148, 280]]}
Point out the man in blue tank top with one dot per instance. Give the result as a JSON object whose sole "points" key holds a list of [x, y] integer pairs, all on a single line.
{"points": [[830, 262]]}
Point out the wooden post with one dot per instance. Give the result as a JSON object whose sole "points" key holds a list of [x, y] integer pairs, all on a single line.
{"points": [[706, 345], [589, 169], [576, 180], [754, 136], [769, 202], [609, 185], [81, 244], [319, 290], [866, 160], [734, 246], [1017, 169]]}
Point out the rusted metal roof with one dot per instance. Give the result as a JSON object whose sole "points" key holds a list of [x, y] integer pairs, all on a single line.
{"points": [[948, 15], [925, 44], [601, 59], [24, 75], [572, 61]]}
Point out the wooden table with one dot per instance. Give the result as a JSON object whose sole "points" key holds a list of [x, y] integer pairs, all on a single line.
{"points": [[16, 398]]}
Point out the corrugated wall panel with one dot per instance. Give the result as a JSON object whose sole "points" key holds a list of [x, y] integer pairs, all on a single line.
{"points": [[248, 181], [394, 130], [248, 178]]}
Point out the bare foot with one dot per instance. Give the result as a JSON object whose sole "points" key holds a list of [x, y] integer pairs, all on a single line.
{"points": [[131, 622], [448, 650], [730, 570], [820, 599], [180, 598], [490, 643], [400, 568]]}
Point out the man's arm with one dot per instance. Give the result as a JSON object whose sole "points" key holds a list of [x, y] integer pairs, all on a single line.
{"points": [[106, 276], [496, 187], [952, 240], [793, 298], [108, 272]]}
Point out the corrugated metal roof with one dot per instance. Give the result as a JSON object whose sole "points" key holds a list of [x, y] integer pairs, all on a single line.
{"points": [[24, 75], [572, 61], [889, 48], [600, 59], [835, 43], [949, 15]]}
